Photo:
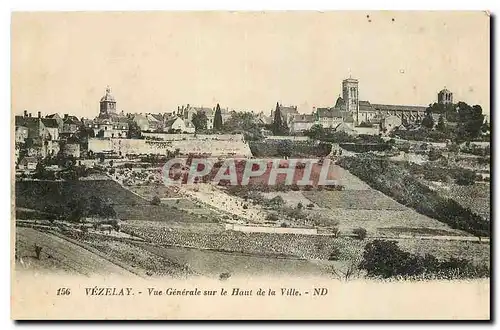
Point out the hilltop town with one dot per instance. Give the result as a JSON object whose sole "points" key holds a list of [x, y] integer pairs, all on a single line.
{"points": [[413, 182]]}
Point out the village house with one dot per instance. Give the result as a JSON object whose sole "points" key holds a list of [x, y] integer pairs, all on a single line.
{"points": [[179, 125], [21, 134], [28, 163]]}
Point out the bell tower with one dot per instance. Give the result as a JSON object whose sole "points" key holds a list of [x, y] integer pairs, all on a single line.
{"points": [[350, 95], [107, 104]]}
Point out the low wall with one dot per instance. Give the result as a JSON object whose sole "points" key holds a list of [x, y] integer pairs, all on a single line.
{"points": [[272, 230], [137, 146], [200, 137], [286, 137]]}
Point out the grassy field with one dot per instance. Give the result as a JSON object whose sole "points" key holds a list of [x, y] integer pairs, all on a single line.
{"points": [[353, 199], [59, 255], [145, 262], [398, 183], [151, 190], [214, 263], [38, 195], [475, 197]]}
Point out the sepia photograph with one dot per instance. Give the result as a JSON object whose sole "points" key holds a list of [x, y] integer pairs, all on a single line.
{"points": [[228, 159]]}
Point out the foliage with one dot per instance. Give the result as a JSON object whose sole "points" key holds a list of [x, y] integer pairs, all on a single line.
{"points": [[397, 182], [156, 200], [244, 123], [285, 148], [441, 126], [199, 120], [279, 126], [385, 259], [217, 118], [467, 179], [360, 233], [428, 121], [470, 121]]}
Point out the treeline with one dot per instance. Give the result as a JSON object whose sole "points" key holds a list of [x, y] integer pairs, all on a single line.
{"points": [[397, 182], [287, 148], [385, 259], [79, 208]]}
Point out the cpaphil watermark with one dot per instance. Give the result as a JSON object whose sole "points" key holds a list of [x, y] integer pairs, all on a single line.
{"points": [[234, 171]]}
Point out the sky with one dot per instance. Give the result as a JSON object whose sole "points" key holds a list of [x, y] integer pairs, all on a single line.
{"points": [[156, 61]]}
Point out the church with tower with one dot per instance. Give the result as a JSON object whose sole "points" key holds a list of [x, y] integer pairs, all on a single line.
{"points": [[107, 105], [109, 123]]}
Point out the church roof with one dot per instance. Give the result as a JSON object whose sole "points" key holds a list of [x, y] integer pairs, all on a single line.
{"points": [[340, 103], [108, 97], [395, 107], [365, 106], [328, 113]]}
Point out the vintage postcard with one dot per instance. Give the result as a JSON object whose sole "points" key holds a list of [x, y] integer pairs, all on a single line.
{"points": [[251, 165]]}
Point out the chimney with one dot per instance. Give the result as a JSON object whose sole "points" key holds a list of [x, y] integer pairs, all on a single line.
{"points": [[39, 114], [25, 113], [29, 114]]}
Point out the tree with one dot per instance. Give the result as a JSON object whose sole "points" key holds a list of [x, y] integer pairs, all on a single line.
{"points": [[428, 121], [441, 126], [218, 118], [156, 200], [285, 148], [360, 233], [199, 121], [278, 127], [134, 131], [383, 258], [470, 120], [485, 128], [245, 123], [316, 132]]}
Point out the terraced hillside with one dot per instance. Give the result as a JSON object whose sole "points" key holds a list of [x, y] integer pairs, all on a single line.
{"points": [[57, 195]]}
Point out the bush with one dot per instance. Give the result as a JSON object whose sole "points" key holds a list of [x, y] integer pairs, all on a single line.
{"points": [[284, 225], [468, 178], [385, 259], [245, 207], [156, 201], [272, 217], [335, 254], [360, 233], [300, 206]]}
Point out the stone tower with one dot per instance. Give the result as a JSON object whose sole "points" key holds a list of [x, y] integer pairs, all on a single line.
{"points": [[107, 104], [445, 97], [350, 95]]}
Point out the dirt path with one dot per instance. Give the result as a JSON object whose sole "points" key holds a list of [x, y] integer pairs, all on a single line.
{"points": [[60, 255]]}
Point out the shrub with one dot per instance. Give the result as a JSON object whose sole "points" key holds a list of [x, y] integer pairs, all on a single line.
{"points": [[385, 259], [38, 251], [300, 206], [335, 254], [310, 205], [284, 225], [245, 206], [466, 179], [272, 217], [156, 201], [360, 233]]}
